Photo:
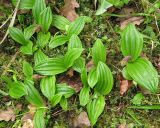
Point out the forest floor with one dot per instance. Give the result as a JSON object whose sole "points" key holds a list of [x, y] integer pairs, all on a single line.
{"points": [[118, 110]]}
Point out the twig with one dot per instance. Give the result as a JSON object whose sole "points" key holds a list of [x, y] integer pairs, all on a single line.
{"points": [[9, 64], [12, 22]]}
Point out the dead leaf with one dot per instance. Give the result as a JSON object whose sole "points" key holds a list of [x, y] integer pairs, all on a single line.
{"points": [[7, 115], [37, 77], [28, 124], [134, 20], [90, 65], [70, 73], [81, 121], [68, 10], [125, 60]]}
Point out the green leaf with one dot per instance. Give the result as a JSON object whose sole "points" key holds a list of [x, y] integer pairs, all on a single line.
{"points": [[24, 4], [33, 96], [95, 108], [40, 57], [104, 5], [29, 31], [64, 103], [92, 77], [17, 35], [45, 19], [60, 22], [84, 95], [43, 39], [143, 72], [105, 79], [98, 52], [147, 107], [38, 7], [8, 81], [51, 66], [48, 87], [74, 42], [27, 49], [84, 77], [131, 42], [137, 99], [71, 56], [39, 121], [79, 64], [17, 90], [125, 74], [56, 99], [58, 41], [77, 26], [27, 69], [65, 90]]}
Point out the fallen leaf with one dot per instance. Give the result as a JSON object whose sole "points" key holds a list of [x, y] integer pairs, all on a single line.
{"points": [[7, 115], [81, 121], [68, 10], [70, 73], [134, 20], [37, 77], [28, 124], [125, 60], [90, 65]]}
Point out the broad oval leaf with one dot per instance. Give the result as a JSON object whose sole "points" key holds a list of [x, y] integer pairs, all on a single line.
{"points": [[126, 74], [27, 69], [33, 95], [131, 42], [27, 49], [65, 90], [43, 39], [105, 79], [58, 41], [84, 95], [24, 4], [104, 5], [48, 87], [143, 72], [98, 52], [40, 57], [60, 22], [79, 64], [95, 108], [38, 7], [63, 103], [71, 56], [45, 19], [74, 42], [39, 121], [17, 90], [51, 66], [29, 31], [56, 99], [92, 77], [17, 35]]}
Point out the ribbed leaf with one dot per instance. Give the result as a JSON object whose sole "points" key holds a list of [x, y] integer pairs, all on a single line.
{"points": [[104, 5], [27, 49], [38, 7], [79, 64], [56, 99], [51, 66], [17, 90], [48, 87], [60, 22], [84, 77], [98, 52], [58, 41], [143, 72], [39, 121], [40, 57], [24, 4], [65, 90], [29, 31], [64, 103], [105, 79], [92, 77], [95, 108], [125, 74], [71, 56], [45, 19], [74, 42], [43, 39], [84, 95], [33, 96], [131, 42], [17, 35], [27, 69]]}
